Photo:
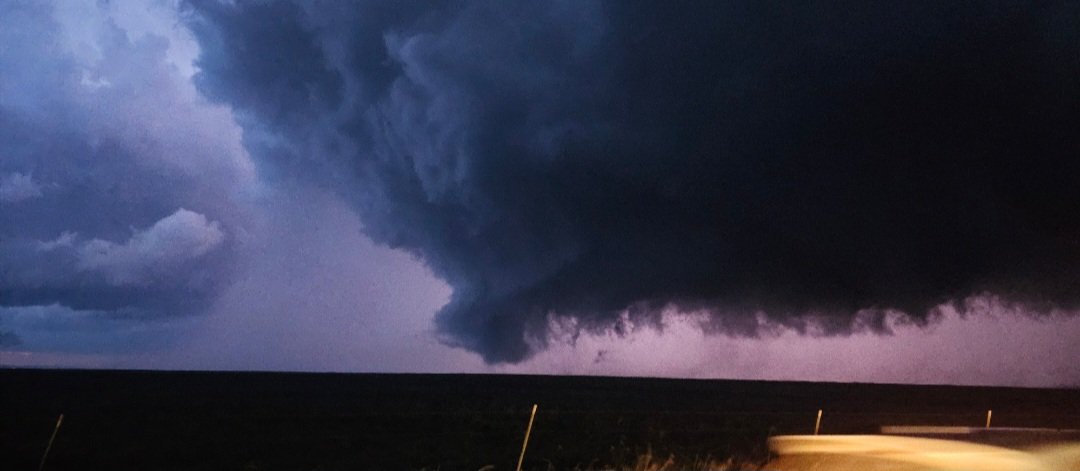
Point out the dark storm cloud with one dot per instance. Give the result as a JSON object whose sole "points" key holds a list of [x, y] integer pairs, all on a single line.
{"points": [[9, 339], [118, 182], [813, 165]]}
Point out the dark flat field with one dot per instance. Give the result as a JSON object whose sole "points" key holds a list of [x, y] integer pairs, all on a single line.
{"points": [[118, 420]]}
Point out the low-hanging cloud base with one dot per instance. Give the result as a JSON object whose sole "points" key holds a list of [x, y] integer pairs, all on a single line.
{"points": [[818, 167], [192, 177]]}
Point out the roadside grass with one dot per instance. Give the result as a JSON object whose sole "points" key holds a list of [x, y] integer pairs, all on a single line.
{"points": [[649, 461]]}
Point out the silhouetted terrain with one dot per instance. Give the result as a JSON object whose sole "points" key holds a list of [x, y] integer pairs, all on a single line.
{"points": [[292, 421]]}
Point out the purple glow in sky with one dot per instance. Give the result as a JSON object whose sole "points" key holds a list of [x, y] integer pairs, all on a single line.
{"points": [[556, 189]]}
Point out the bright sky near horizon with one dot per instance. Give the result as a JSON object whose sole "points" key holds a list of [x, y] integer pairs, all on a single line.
{"points": [[869, 193]]}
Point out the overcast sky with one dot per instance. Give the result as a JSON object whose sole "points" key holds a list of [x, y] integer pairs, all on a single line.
{"points": [[821, 191]]}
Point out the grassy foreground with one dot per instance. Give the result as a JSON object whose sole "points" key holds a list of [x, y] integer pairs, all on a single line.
{"points": [[121, 420]]}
